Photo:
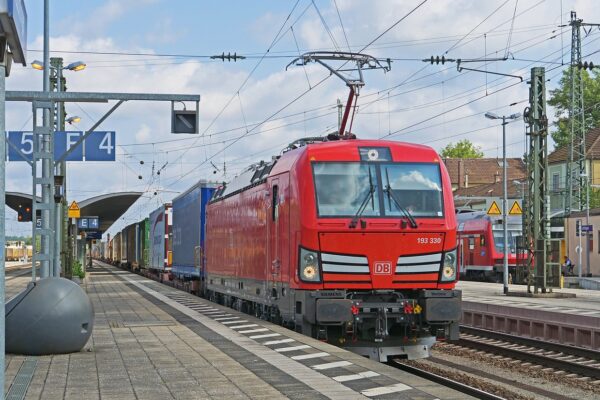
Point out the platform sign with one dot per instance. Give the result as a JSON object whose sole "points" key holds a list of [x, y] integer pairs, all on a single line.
{"points": [[494, 209], [74, 210], [85, 223], [63, 141], [99, 146], [587, 228]]}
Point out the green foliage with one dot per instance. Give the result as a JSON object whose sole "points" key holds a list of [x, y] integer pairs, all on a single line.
{"points": [[78, 269], [594, 197], [462, 149], [560, 99]]}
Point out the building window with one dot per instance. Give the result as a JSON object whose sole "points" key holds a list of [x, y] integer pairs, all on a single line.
{"points": [[555, 182]]}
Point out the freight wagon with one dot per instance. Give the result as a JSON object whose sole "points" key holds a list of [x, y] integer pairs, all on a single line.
{"points": [[116, 253], [160, 239], [189, 216]]}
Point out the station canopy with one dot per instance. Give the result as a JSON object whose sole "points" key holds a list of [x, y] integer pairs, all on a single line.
{"points": [[107, 207]]}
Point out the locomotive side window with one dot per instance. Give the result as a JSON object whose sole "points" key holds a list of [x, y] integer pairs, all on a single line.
{"points": [[275, 204], [482, 240], [471, 243]]}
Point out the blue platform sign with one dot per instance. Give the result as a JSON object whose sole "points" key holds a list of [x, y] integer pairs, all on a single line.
{"points": [[64, 141], [85, 223], [99, 146], [22, 141], [93, 223]]}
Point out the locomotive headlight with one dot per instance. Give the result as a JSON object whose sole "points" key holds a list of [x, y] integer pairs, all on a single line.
{"points": [[309, 266], [449, 267]]}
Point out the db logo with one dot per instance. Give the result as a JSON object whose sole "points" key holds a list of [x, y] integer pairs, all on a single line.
{"points": [[382, 267]]}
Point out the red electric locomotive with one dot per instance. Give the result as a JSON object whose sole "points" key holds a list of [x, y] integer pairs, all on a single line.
{"points": [[350, 241], [481, 245]]}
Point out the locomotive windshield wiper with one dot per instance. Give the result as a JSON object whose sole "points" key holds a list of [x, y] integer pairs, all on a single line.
{"points": [[391, 195], [364, 203]]}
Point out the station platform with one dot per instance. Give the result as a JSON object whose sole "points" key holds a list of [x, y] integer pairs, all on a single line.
{"points": [[569, 320], [151, 341]]}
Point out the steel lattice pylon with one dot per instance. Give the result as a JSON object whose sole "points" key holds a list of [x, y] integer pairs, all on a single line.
{"points": [[576, 178], [536, 223]]}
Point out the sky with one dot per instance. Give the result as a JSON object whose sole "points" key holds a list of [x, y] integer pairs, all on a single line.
{"points": [[252, 108]]}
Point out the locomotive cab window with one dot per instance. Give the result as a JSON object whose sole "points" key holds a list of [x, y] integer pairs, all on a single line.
{"points": [[344, 189], [352, 188], [415, 187]]}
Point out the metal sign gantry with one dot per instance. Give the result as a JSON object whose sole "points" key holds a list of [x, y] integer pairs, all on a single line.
{"points": [[43, 150]]}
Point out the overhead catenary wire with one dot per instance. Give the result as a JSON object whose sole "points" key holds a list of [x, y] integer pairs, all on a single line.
{"points": [[306, 91]]}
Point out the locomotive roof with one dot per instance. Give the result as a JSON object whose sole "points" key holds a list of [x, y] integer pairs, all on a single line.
{"points": [[258, 172]]}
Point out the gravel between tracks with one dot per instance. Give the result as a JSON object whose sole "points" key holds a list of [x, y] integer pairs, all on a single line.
{"points": [[560, 383]]}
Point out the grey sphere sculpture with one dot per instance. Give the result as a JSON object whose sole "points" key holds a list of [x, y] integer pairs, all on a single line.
{"points": [[51, 316]]}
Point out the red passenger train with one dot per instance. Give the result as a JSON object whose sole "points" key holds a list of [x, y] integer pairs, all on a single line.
{"points": [[481, 245], [350, 241]]}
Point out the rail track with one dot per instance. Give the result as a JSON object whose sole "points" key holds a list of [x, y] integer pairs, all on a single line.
{"points": [[458, 386], [571, 359]]}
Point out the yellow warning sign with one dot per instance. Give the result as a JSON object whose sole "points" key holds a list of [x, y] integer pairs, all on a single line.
{"points": [[515, 209], [494, 209], [74, 211]]}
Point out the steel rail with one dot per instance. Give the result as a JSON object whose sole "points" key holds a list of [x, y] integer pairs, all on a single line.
{"points": [[531, 355], [452, 384], [526, 341]]}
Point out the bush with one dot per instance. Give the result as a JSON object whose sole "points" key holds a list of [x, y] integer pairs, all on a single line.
{"points": [[78, 270]]}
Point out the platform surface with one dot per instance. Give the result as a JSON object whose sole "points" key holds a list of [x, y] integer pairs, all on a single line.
{"points": [[586, 302], [151, 341]]}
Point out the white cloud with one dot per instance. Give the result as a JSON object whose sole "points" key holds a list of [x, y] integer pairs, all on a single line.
{"points": [[427, 104]]}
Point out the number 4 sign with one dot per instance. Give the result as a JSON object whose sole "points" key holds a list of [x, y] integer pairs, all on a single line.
{"points": [[100, 146]]}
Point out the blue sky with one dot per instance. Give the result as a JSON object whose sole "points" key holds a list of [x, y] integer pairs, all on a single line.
{"points": [[414, 102]]}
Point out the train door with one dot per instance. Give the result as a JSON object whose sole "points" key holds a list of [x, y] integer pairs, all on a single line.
{"points": [[279, 238], [274, 248]]}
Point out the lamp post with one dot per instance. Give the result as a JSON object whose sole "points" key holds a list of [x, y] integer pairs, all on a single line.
{"points": [[587, 222], [505, 121], [56, 66]]}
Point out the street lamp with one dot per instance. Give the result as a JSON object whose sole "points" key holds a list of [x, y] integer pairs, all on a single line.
{"points": [[505, 121], [75, 119], [56, 65], [587, 222], [74, 66]]}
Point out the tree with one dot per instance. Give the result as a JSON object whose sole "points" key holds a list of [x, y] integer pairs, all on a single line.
{"points": [[560, 99], [462, 149]]}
